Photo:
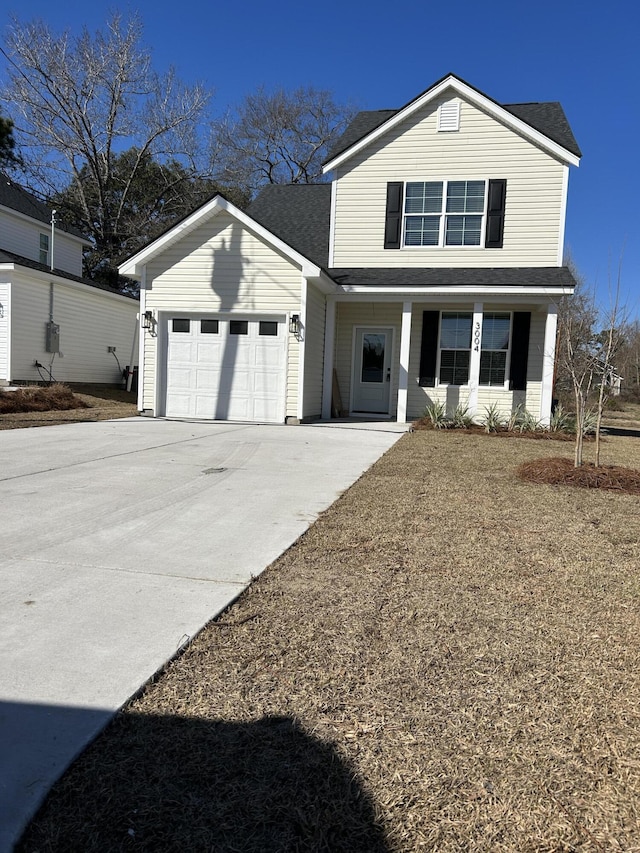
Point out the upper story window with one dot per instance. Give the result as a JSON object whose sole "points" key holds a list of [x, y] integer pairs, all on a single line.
{"points": [[444, 213], [44, 249]]}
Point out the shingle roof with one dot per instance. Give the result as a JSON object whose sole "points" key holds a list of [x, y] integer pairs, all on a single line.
{"points": [[18, 199], [553, 277], [546, 117], [12, 258], [299, 214]]}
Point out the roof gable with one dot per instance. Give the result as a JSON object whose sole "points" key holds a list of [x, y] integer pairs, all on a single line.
{"points": [[545, 124], [134, 265]]}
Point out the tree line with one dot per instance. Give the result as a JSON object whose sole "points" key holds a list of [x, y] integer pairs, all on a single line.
{"points": [[123, 151]]}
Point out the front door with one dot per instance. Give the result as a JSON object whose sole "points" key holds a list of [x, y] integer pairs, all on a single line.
{"points": [[372, 371]]}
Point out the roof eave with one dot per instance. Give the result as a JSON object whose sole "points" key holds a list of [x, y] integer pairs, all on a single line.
{"points": [[474, 96]]}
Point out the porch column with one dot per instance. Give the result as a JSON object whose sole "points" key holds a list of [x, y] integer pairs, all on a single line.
{"points": [[403, 374], [474, 361], [548, 363], [329, 339]]}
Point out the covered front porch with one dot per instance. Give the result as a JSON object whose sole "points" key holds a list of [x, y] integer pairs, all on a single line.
{"points": [[389, 359]]}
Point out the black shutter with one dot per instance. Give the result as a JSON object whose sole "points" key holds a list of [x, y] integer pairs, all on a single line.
{"points": [[429, 348], [495, 213], [519, 350], [393, 221]]}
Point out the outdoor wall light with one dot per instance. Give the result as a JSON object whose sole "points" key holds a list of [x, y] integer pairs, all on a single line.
{"points": [[147, 320], [294, 324]]}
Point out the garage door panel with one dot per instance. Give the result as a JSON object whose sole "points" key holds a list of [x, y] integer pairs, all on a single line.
{"points": [[213, 374], [208, 353]]}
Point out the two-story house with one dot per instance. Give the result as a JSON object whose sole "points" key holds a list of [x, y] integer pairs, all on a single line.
{"points": [[429, 269], [53, 322]]}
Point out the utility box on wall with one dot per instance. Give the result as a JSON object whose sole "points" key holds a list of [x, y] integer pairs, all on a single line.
{"points": [[52, 337]]}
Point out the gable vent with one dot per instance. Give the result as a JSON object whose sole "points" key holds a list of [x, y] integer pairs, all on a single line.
{"points": [[449, 116]]}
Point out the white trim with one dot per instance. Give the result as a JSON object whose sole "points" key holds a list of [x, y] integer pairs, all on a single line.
{"points": [[302, 348], [563, 214], [474, 358], [133, 265], [466, 93], [548, 362], [400, 293], [142, 340], [332, 221], [403, 370], [329, 343]]}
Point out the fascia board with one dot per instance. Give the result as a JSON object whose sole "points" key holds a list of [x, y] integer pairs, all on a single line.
{"points": [[133, 267], [475, 97], [400, 293]]}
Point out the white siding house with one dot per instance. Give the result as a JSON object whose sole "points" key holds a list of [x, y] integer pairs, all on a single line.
{"points": [[53, 323], [427, 270]]}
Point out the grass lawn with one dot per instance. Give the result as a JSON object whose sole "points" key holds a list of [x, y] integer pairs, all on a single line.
{"points": [[447, 660]]}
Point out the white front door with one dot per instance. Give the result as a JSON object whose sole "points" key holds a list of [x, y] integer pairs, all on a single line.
{"points": [[371, 381]]}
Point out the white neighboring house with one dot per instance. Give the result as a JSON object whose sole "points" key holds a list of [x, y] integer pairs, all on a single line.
{"points": [[429, 270], [54, 316]]}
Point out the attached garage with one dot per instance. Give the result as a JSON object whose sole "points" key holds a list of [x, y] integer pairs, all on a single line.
{"points": [[224, 368]]}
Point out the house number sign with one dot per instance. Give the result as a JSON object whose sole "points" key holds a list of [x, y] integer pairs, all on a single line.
{"points": [[476, 338]]}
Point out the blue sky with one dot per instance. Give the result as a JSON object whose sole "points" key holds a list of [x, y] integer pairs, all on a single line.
{"points": [[380, 55]]}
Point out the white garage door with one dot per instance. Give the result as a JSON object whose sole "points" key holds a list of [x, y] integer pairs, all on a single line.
{"points": [[229, 370]]}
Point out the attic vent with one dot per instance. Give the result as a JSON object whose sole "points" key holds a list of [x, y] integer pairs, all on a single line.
{"points": [[449, 116]]}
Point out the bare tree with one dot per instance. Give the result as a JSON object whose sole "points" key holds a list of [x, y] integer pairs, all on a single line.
{"points": [[278, 138], [586, 355], [79, 102], [8, 156], [577, 367]]}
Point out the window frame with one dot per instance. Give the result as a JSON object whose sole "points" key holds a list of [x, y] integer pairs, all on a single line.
{"points": [[439, 383], [507, 362], [443, 214], [44, 254], [504, 385]]}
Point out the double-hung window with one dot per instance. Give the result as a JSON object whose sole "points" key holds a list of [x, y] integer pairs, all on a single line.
{"points": [[455, 348], [496, 330], [444, 213]]}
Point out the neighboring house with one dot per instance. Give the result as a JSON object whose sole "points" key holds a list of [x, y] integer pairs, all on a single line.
{"points": [[428, 270], [49, 313]]}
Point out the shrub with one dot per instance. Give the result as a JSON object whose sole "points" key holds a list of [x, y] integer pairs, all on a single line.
{"points": [[493, 418], [437, 415], [461, 419]]}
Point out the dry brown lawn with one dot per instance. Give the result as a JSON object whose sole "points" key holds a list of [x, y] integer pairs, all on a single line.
{"points": [[446, 661], [95, 403]]}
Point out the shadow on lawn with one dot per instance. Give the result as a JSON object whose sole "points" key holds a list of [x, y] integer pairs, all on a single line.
{"points": [[169, 783]]}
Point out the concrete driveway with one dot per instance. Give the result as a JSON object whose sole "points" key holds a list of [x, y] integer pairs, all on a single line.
{"points": [[119, 541]]}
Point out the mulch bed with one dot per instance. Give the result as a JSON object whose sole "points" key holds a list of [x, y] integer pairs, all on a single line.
{"points": [[562, 472]]}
